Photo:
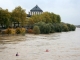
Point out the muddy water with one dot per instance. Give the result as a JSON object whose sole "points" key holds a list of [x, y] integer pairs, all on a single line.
{"points": [[60, 46]]}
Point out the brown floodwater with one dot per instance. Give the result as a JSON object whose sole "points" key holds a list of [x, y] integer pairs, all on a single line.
{"points": [[60, 46]]}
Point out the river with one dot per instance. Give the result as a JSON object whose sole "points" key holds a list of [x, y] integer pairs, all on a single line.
{"points": [[60, 46]]}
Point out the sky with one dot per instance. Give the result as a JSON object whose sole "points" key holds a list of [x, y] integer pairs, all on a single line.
{"points": [[69, 10]]}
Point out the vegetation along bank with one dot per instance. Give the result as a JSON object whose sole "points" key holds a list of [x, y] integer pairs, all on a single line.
{"points": [[18, 22]]}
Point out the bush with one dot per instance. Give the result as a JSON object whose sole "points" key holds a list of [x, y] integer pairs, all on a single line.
{"points": [[52, 28], [30, 31], [36, 30], [41, 26], [46, 29], [71, 27], [57, 27], [23, 31], [65, 28], [13, 31], [8, 31], [18, 30]]}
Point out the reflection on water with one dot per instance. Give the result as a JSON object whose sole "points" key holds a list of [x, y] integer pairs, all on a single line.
{"points": [[61, 46]]}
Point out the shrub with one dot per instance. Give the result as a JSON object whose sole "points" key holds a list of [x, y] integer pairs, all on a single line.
{"points": [[36, 30], [73, 27], [57, 27], [8, 31], [65, 27], [46, 29], [41, 26], [52, 28], [69, 27], [13, 31], [30, 31], [23, 31], [18, 30]]}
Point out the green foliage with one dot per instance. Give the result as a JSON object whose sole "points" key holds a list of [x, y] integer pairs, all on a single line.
{"points": [[52, 28], [30, 21], [71, 27], [57, 27], [36, 30], [47, 29], [44, 28], [45, 23], [5, 17], [46, 17], [41, 26], [58, 18], [64, 27], [19, 15]]}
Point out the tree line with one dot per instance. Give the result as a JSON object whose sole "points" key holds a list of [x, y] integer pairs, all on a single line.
{"points": [[18, 15], [44, 23]]}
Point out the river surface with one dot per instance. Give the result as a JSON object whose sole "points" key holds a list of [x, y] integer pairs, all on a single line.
{"points": [[60, 46]]}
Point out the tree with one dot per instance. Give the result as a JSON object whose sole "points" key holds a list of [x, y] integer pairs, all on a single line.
{"points": [[58, 18], [19, 15], [53, 17], [5, 17], [46, 17]]}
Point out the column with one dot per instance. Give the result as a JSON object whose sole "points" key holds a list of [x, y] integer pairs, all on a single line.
{"points": [[37, 13], [31, 13]]}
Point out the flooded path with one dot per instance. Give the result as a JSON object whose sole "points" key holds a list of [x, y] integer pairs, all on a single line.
{"points": [[60, 46]]}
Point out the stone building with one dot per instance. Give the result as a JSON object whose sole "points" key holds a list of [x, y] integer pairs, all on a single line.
{"points": [[36, 11]]}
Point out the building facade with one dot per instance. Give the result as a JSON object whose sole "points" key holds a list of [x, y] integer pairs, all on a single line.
{"points": [[35, 11]]}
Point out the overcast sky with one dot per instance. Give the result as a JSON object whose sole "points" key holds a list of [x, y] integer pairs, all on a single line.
{"points": [[69, 10]]}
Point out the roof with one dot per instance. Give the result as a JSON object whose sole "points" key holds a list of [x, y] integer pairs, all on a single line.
{"points": [[36, 8]]}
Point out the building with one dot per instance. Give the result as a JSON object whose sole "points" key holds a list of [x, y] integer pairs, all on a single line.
{"points": [[35, 11]]}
